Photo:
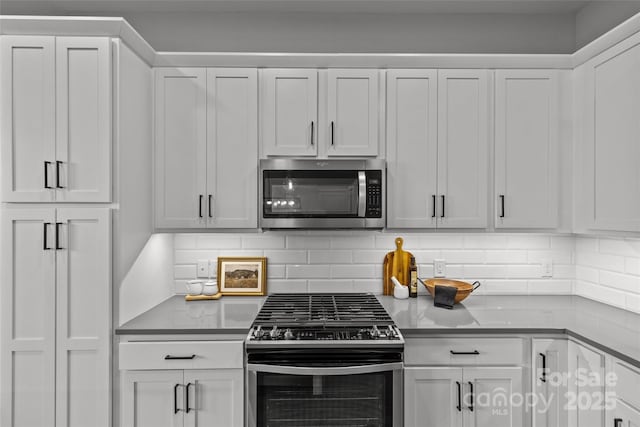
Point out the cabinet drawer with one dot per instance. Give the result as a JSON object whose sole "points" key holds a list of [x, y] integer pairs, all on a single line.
{"points": [[627, 384], [178, 355], [464, 351]]}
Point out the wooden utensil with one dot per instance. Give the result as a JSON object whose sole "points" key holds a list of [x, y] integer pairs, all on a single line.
{"points": [[396, 263]]}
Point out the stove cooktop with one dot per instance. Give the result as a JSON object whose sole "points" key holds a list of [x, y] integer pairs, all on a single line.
{"points": [[298, 319]]}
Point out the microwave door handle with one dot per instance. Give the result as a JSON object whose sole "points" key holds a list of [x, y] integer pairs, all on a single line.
{"points": [[362, 193], [339, 370]]}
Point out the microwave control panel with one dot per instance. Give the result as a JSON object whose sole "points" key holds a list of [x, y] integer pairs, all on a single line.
{"points": [[374, 194]]}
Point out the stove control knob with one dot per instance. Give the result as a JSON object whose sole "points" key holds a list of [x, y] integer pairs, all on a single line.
{"points": [[392, 333], [375, 333], [258, 332], [274, 333], [288, 335]]}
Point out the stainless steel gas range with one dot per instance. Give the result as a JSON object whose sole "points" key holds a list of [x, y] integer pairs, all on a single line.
{"points": [[324, 360]]}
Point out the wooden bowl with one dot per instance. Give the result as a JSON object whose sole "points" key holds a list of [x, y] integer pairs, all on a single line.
{"points": [[464, 288]]}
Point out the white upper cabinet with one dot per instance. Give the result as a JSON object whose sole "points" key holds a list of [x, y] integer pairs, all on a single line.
{"points": [[289, 112], [412, 150], [463, 122], [526, 146], [206, 148], [309, 112], [610, 149], [352, 112], [56, 119], [437, 155], [232, 148], [181, 147]]}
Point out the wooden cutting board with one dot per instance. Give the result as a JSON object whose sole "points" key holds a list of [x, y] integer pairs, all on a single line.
{"points": [[396, 263]]}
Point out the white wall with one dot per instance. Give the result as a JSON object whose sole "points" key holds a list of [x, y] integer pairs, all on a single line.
{"points": [[608, 270], [351, 261]]}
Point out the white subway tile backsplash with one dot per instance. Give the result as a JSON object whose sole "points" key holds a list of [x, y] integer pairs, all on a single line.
{"points": [[603, 268], [355, 271], [308, 271], [330, 257]]}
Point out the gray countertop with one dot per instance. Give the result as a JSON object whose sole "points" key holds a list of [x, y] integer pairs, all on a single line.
{"points": [[608, 328]]}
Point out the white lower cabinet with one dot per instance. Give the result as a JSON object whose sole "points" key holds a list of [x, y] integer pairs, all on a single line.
{"points": [[55, 325], [586, 387], [190, 398], [549, 362], [623, 396], [182, 383], [469, 396]]}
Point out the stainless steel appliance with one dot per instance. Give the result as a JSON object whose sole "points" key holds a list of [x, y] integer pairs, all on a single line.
{"points": [[324, 360], [322, 193]]}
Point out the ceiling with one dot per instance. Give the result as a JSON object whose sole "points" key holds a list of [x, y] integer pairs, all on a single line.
{"points": [[119, 7]]}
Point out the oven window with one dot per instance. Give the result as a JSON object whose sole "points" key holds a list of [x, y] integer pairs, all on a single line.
{"points": [[362, 400], [310, 194]]}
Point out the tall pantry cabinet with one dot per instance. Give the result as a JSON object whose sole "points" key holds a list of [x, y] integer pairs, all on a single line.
{"points": [[58, 128]]}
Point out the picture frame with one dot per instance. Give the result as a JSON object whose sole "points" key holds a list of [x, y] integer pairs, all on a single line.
{"points": [[242, 275]]}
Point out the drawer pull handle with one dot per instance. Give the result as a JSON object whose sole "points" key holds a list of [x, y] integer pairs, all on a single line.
{"points": [[170, 357], [458, 353], [617, 422], [543, 378]]}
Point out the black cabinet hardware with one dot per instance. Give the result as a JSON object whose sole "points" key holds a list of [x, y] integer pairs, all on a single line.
{"points": [[58, 164], [617, 422], [186, 405], [502, 206], [471, 390], [312, 133], [433, 199], [442, 214], [44, 238], [459, 406], [332, 133], [200, 205], [170, 357], [543, 377], [474, 352], [46, 174], [175, 398], [58, 224], [210, 203]]}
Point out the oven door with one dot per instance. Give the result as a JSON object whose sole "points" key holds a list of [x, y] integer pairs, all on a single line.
{"points": [[366, 394]]}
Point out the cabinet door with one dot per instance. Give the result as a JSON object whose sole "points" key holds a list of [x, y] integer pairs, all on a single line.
{"points": [[83, 317], [584, 364], [463, 119], [215, 397], [624, 416], [232, 148], [526, 135], [27, 118], [352, 112], [290, 112], [27, 303], [611, 140], [181, 147], [83, 119], [549, 358], [152, 399], [488, 397], [411, 148], [433, 394]]}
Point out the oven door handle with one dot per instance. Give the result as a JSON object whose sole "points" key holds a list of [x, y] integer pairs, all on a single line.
{"points": [[339, 370], [362, 193]]}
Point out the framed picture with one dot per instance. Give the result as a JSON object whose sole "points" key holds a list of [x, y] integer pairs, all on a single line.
{"points": [[242, 275]]}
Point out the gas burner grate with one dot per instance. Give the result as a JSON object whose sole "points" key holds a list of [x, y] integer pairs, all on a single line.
{"points": [[284, 310]]}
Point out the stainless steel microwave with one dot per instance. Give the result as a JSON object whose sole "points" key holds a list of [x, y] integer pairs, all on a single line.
{"points": [[331, 193]]}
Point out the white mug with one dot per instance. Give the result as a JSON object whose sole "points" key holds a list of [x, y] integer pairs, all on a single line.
{"points": [[194, 287]]}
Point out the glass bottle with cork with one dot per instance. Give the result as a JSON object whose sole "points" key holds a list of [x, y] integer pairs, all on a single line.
{"points": [[413, 279]]}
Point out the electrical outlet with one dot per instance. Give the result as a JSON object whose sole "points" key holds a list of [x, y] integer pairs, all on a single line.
{"points": [[547, 268], [439, 268], [203, 268]]}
